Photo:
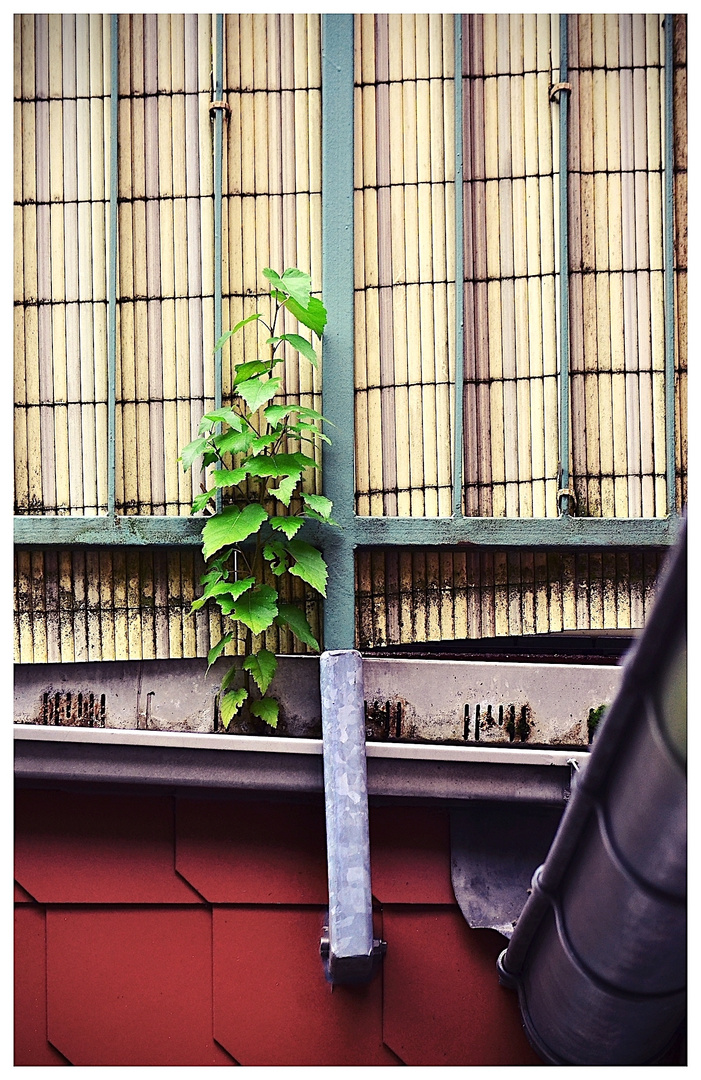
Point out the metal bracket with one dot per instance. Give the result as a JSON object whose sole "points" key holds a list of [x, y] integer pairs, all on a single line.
{"points": [[357, 969], [557, 87], [223, 105]]}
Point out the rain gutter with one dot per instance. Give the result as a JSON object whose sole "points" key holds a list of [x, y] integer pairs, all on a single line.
{"points": [[598, 955]]}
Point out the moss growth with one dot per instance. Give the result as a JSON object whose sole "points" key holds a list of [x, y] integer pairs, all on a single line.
{"points": [[594, 719]]}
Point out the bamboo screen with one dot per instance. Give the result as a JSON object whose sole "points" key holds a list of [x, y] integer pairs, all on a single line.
{"points": [[62, 85], [89, 605], [83, 604], [510, 391], [616, 265], [404, 263]]}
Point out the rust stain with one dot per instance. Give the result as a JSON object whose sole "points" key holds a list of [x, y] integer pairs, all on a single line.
{"points": [[70, 708]]}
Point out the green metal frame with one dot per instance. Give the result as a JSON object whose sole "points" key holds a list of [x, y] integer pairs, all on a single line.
{"points": [[339, 391]]}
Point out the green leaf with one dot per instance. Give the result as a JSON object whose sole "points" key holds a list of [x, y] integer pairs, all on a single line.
{"points": [[200, 501], [255, 392], [267, 709], [275, 413], [218, 564], [320, 503], [265, 465], [249, 369], [233, 589], [228, 477], [229, 678], [215, 652], [221, 416], [308, 433], [234, 442], [231, 526], [285, 490], [274, 551], [265, 440], [256, 609], [301, 345], [309, 565], [288, 525], [272, 276], [290, 615], [244, 322], [294, 282], [192, 451], [230, 704], [313, 316], [262, 666]]}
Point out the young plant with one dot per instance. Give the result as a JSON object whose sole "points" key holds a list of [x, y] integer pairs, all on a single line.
{"points": [[252, 538]]}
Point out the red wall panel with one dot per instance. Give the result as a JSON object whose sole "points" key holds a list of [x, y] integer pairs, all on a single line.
{"points": [[244, 852], [31, 1044], [136, 968], [410, 855], [102, 849], [272, 1004], [443, 1004], [131, 986]]}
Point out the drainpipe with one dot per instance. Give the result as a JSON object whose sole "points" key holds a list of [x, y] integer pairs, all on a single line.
{"points": [[598, 956], [349, 952]]}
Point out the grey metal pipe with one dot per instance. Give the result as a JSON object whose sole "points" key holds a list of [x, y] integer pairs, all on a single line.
{"points": [[598, 954], [348, 949]]}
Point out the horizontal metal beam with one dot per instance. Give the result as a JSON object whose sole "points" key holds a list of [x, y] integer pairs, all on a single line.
{"points": [[170, 761], [364, 531]]}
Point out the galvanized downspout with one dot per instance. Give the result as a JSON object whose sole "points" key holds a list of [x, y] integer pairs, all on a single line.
{"points": [[348, 950], [565, 495], [112, 274], [598, 955]]}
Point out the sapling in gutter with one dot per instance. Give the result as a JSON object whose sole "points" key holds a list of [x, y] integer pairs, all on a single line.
{"points": [[250, 539]]}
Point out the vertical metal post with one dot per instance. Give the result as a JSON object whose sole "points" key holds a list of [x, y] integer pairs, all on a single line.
{"points": [[668, 213], [112, 273], [459, 278], [338, 387], [349, 952], [218, 147], [563, 493], [218, 155]]}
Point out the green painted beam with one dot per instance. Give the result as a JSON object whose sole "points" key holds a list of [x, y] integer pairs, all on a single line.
{"points": [[338, 388], [668, 216], [339, 544], [564, 277]]}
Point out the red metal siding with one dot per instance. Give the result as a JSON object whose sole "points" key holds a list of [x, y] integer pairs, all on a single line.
{"points": [[100, 849], [186, 932]]}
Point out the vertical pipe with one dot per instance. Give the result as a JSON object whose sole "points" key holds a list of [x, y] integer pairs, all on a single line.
{"points": [[218, 154], [563, 496], [459, 278], [337, 262], [112, 274], [670, 448], [349, 953]]}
